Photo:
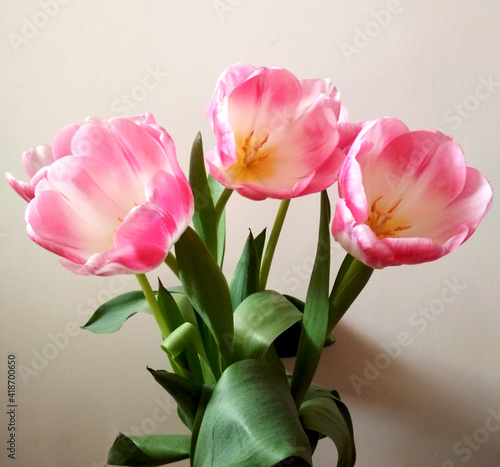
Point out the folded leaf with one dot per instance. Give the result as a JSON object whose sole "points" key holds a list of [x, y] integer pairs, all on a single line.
{"points": [[186, 362], [149, 450], [251, 419], [323, 411], [259, 320], [110, 316], [179, 340]]}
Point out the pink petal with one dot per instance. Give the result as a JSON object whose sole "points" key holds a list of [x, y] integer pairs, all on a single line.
{"points": [[56, 227], [36, 159], [351, 186], [93, 190], [425, 169], [465, 211], [380, 133], [263, 102], [142, 152], [360, 241], [61, 146], [23, 189]]}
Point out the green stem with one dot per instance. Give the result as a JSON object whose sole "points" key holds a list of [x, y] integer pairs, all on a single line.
{"points": [[351, 279], [273, 240], [171, 262], [153, 304], [221, 204]]}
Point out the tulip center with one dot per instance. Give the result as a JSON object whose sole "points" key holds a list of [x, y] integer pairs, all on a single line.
{"points": [[383, 222], [254, 160]]}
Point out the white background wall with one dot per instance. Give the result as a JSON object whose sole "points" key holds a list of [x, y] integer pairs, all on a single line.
{"points": [[437, 403]]}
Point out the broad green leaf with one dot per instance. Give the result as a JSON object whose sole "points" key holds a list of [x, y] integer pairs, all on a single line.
{"points": [[185, 392], [259, 320], [245, 280], [251, 419], [323, 411], [207, 289], [315, 321], [110, 316], [204, 212], [152, 450], [352, 277]]}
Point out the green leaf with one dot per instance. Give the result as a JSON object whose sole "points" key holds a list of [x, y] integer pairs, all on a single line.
{"points": [[204, 219], [186, 362], [110, 316], [206, 394], [207, 289], [315, 321], [260, 241], [185, 392], [287, 343], [152, 450], [259, 320], [189, 316], [323, 411], [351, 279], [179, 340], [245, 280], [251, 419], [217, 189]]}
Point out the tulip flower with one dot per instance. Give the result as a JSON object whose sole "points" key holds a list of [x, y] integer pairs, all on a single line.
{"points": [[406, 197], [108, 195], [277, 136]]}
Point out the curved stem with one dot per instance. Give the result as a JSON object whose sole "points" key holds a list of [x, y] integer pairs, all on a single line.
{"points": [[221, 204], [171, 262], [273, 240], [153, 304]]}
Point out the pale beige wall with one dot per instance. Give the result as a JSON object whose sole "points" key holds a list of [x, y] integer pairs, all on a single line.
{"points": [[437, 403]]}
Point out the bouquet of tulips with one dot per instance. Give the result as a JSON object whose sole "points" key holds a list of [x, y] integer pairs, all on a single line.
{"points": [[109, 197]]}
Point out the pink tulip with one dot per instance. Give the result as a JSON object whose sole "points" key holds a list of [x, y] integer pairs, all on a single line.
{"points": [[277, 136], [108, 196], [406, 197]]}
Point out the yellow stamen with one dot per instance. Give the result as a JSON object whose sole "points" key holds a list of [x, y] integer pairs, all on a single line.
{"points": [[379, 218], [250, 165]]}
